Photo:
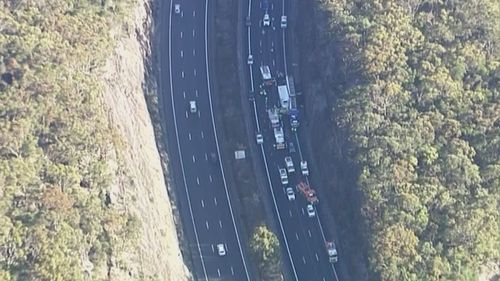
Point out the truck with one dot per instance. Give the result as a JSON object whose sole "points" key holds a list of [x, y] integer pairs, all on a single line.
{"points": [[303, 168], [289, 164], [279, 137], [266, 75], [307, 192], [331, 250], [293, 109], [273, 117], [294, 114], [284, 97]]}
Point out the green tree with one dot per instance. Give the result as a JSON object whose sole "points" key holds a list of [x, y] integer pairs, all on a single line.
{"points": [[265, 249]]}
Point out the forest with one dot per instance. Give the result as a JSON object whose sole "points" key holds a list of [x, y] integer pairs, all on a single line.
{"points": [[414, 89], [55, 218]]}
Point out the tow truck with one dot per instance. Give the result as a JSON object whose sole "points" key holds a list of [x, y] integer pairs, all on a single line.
{"points": [[308, 192]]}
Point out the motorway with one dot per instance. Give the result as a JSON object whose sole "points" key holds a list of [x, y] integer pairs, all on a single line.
{"points": [[202, 194], [303, 237]]}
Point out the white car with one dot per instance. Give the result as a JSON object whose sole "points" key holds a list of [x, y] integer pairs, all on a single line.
{"points": [[303, 168], [177, 8], [192, 106], [283, 176], [283, 22], [290, 194], [260, 138], [221, 250], [250, 59], [289, 164], [310, 211], [267, 20]]}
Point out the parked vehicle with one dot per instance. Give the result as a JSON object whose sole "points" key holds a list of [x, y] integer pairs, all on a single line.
{"points": [[283, 21], [310, 211], [290, 194], [289, 164], [279, 137], [331, 250], [283, 175], [308, 192], [303, 168]]}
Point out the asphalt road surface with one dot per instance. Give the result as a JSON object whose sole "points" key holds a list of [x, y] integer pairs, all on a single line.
{"points": [[204, 202], [302, 236]]}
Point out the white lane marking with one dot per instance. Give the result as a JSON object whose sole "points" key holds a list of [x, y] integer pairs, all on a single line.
{"points": [[260, 43], [202, 204], [198, 180], [218, 272], [181, 34], [303, 211], [194, 52], [187, 114], [184, 94], [297, 235], [182, 54], [303, 259], [199, 114], [194, 72], [202, 135], [274, 63], [189, 136], [196, 93], [210, 178], [317, 258], [215, 201], [232, 271], [194, 13], [182, 74], [220, 223], [194, 159], [309, 231], [206, 157], [182, 14], [193, 32], [290, 212], [179, 146], [240, 248], [213, 248], [206, 224]]}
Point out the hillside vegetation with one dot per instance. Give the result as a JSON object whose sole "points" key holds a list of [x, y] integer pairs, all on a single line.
{"points": [[56, 222], [415, 90]]}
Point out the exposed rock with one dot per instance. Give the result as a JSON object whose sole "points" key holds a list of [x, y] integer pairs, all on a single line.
{"points": [[139, 187]]}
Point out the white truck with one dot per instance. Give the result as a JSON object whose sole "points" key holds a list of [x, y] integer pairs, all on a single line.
{"points": [[274, 117], [284, 97], [266, 75], [283, 176], [289, 164], [303, 168], [331, 250], [279, 137]]}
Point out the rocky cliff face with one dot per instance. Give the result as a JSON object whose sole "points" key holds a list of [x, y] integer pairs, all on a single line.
{"points": [[140, 187]]}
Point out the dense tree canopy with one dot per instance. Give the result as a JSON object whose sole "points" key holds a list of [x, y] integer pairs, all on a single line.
{"points": [[54, 140], [418, 99], [265, 249]]}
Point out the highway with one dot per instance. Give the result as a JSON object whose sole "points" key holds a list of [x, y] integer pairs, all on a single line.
{"points": [[303, 237], [203, 199]]}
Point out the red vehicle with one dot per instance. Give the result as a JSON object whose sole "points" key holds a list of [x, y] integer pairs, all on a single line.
{"points": [[308, 192]]}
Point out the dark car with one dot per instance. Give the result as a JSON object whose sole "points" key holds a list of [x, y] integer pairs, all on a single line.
{"points": [[291, 147]]}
